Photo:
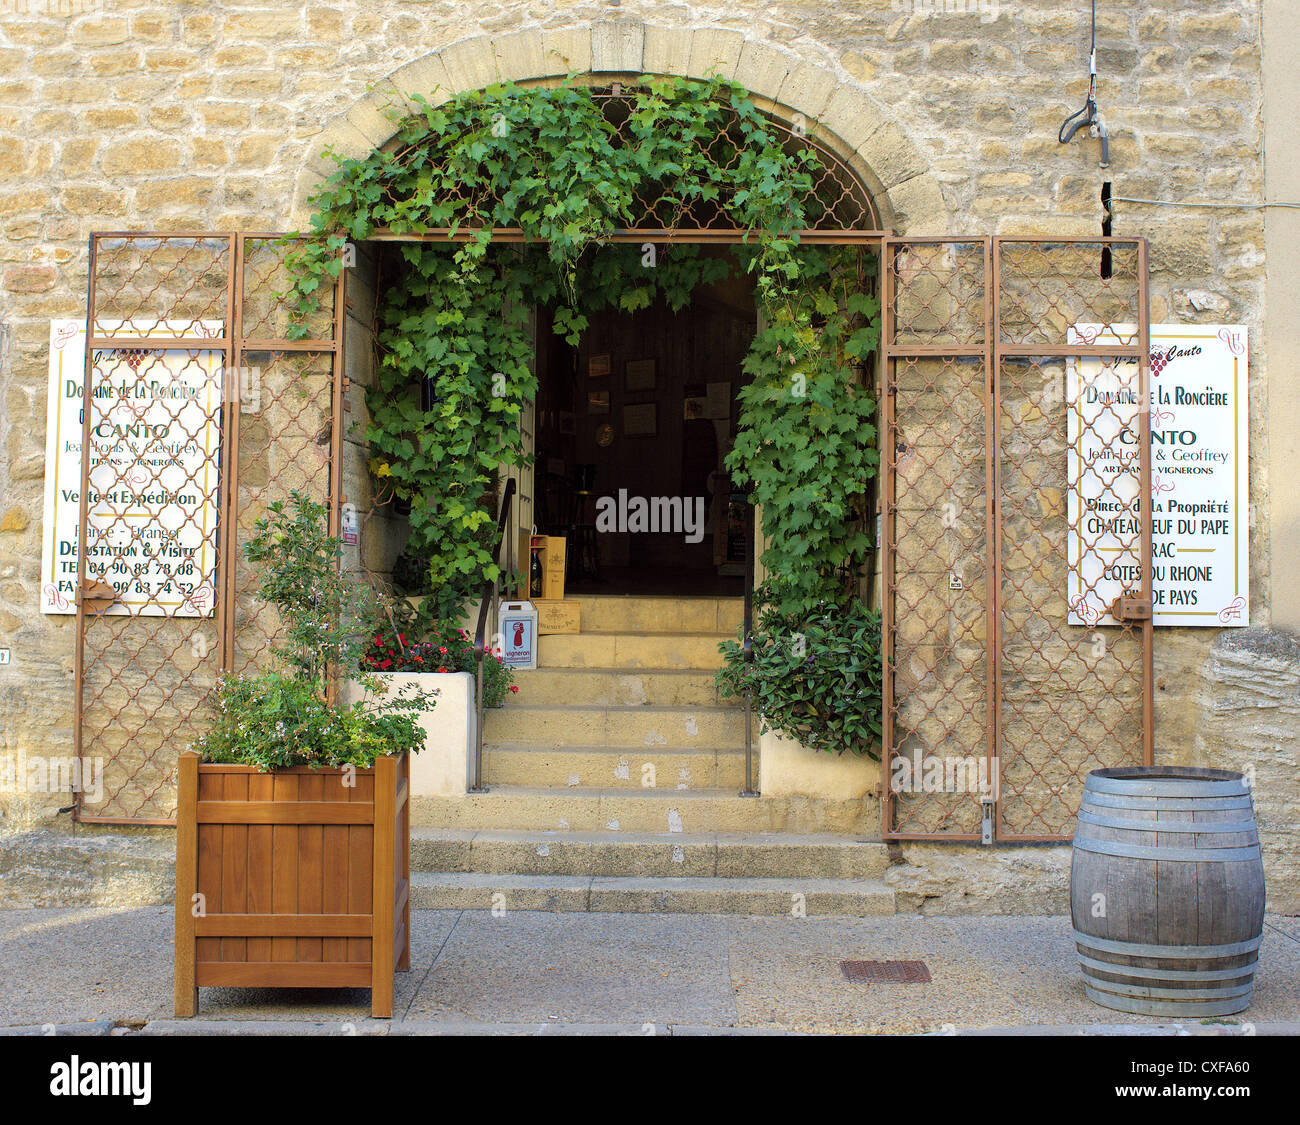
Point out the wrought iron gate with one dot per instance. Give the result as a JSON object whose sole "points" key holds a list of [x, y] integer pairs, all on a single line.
{"points": [[1015, 452], [203, 411], [199, 410]]}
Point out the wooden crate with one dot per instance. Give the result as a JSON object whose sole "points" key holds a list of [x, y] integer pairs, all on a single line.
{"points": [[305, 880], [557, 617]]}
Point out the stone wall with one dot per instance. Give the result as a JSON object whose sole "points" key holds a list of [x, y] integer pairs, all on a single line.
{"points": [[206, 117]]}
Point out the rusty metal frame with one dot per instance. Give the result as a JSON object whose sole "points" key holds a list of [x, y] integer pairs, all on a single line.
{"points": [[993, 351], [892, 351], [234, 348], [686, 235], [224, 343]]}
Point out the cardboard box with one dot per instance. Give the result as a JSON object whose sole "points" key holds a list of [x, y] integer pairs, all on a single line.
{"points": [[558, 616], [517, 623]]}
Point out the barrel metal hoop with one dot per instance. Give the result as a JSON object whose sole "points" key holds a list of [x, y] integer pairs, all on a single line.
{"points": [[1120, 970], [1199, 826], [1205, 804], [1139, 787], [1191, 952], [1171, 993], [1244, 854], [1164, 1007]]}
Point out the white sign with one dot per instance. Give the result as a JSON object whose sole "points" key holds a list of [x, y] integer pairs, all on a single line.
{"points": [[1199, 485], [518, 624], [154, 476]]}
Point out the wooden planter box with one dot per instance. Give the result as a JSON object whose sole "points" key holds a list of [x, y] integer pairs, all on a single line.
{"points": [[305, 881]]}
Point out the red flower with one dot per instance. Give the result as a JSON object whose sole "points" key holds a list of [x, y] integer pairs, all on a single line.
{"points": [[402, 637], [442, 669], [514, 687], [443, 651], [385, 664]]}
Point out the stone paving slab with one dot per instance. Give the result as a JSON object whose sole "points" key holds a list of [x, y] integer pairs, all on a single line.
{"points": [[986, 971], [528, 967], [105, 971]]}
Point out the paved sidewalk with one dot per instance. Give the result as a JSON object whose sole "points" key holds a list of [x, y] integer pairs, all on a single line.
{"points": [[529, 973]]}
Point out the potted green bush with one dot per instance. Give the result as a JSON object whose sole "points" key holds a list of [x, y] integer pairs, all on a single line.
{"points": [[293, 819], [814, 680]]}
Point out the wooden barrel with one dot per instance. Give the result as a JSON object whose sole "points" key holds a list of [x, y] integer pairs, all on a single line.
{"points": [[1167, 890]]}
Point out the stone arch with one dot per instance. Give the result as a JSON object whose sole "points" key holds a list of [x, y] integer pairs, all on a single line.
{"points": [[841, 115]]}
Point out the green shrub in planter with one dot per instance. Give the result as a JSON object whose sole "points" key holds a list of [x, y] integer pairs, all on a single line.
{"points": [[275, 721], [815, 679]]}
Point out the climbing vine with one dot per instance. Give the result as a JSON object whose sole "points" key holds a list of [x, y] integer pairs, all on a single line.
{"points": [[549, 163], [805, 442]]}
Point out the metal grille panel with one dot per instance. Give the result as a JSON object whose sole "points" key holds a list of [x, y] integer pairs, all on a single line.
{"points": [[194, 433], [835, 203], [985, 369]]}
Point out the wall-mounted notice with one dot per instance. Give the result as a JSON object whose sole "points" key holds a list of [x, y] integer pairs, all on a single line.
{"points": [[154, 474], [1199, 481]]}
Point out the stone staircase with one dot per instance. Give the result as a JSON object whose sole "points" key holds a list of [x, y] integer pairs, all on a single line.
{"points": [[614, 778]]}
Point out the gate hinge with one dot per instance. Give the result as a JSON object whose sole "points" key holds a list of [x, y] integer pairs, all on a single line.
{"points": [[96, 596], [986, 822], [1131, 607]]}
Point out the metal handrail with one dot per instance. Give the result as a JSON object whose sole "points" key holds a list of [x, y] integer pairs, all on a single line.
{"points": [[747, 648], [488, 599]]}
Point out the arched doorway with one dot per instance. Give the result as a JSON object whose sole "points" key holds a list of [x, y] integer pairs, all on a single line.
{"points": [[609, 428]]}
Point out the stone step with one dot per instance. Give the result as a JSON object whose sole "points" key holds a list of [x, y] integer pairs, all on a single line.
{"points": [[615, 726], [632, 768], [643, 810], [609, 651], [623, 613], [115, 867], [733, 855], [569, 893], [611, 687]]}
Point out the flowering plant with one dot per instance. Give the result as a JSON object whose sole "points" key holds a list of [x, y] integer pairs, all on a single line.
{"points": [[444, 648]]}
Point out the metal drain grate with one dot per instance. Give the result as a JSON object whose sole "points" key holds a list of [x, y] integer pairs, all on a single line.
{"points": [[886, 972]]}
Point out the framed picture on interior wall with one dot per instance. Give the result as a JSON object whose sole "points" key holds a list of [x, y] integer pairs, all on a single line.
{"points": [[640, 420], [598, 402], [568, 422], [598, 365], [639, 375]]}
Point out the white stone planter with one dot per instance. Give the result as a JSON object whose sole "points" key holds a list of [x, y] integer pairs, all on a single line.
{"points": [[787, 768], [441, 769]]}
